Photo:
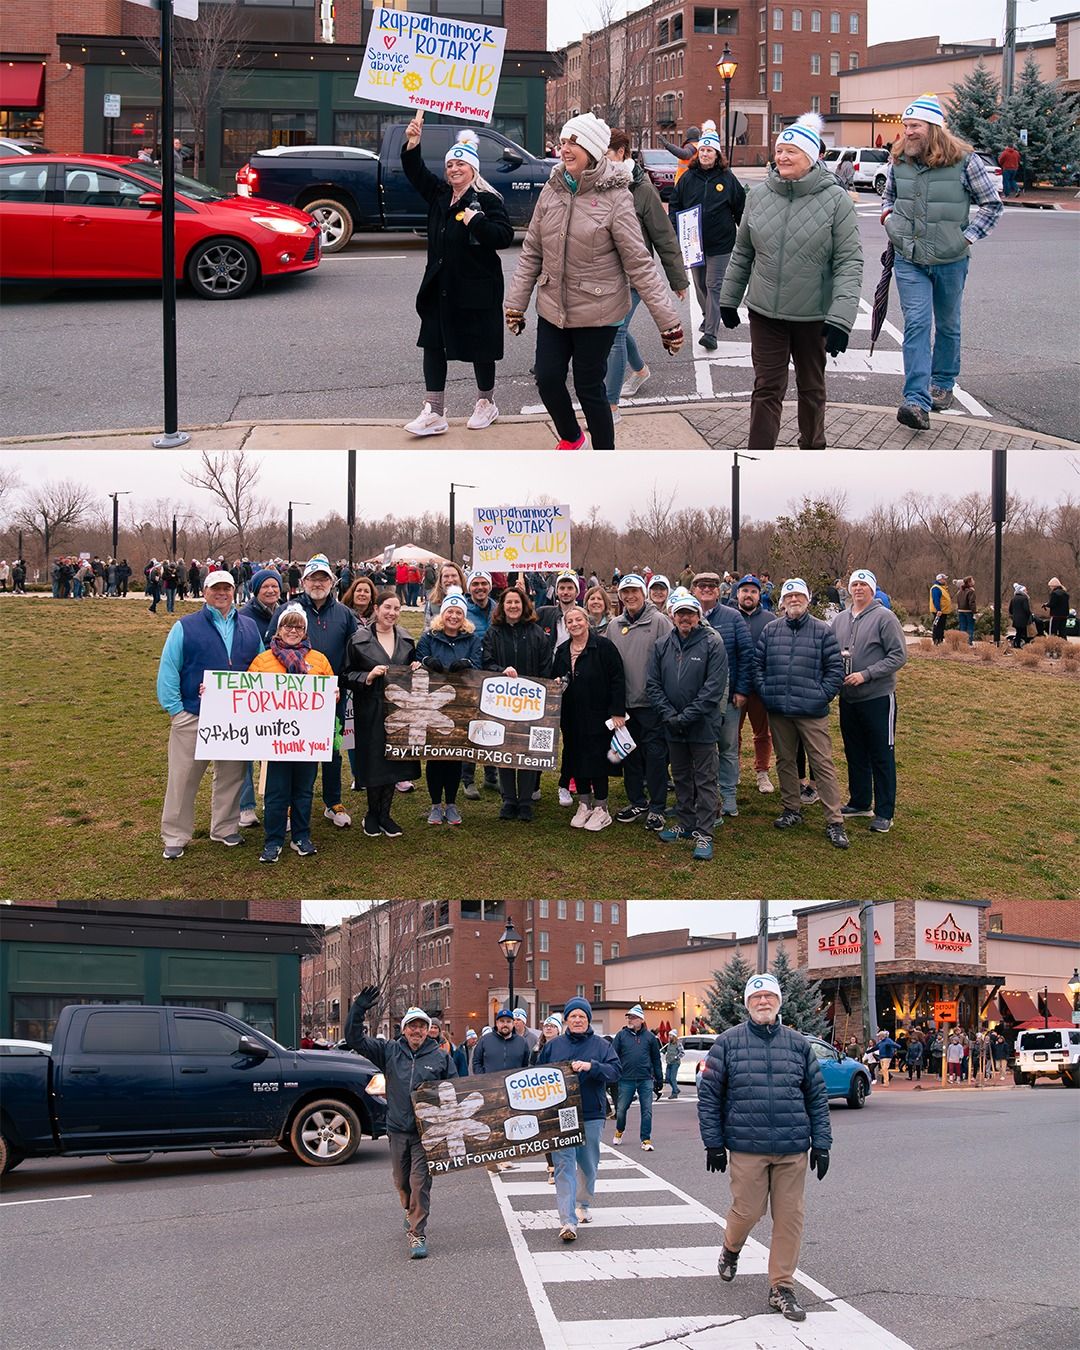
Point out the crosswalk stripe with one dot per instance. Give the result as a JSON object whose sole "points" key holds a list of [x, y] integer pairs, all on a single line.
{"points": [[648, 1183], [629, 1263], [837, 1327], [605, 1164], [612, 1216]]}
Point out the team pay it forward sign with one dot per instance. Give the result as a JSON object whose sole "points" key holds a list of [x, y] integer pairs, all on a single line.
{"points": [[497, 1117], [246, 714], [440, 65], [506, 721], [521, 538]]}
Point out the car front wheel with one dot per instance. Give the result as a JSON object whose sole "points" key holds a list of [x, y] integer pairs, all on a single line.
{"points": [[879, 184], [334, 220], [325, 1133], [222, 269], [857, 1093]]}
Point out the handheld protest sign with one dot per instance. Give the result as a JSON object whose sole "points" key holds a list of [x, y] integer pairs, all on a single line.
{"points": [[521, 538], [497, 1117], [477, 716], [247, 714]]}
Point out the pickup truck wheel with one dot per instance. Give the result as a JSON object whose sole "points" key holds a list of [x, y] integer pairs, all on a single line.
{"points": [[10, 1158], [334, 220], [856, 1097], [222, 269], [325, 1133]]}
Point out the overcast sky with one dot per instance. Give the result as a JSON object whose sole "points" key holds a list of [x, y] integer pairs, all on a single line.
{"points": [[704, 918], [616, 483], [887, 20]]}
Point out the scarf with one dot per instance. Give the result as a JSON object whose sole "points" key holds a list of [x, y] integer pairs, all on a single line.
{"points": [[571, 181], [294, 659]]}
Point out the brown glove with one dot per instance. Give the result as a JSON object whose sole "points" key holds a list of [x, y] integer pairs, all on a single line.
{"points": [[672, 338], [515, 321]]}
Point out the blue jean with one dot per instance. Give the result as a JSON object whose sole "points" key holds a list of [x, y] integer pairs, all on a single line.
{"points": [[643, 1091], [672, 1079], [728, 751], [965, 620], [331, 780], [567, 1161], [624, 349], [247, 791], [76, 589], [1008, 182], [289, 785], [926, 293], [170, 599]]}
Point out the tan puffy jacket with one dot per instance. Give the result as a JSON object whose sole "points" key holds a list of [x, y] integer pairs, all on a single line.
{"points": [[584, 251]]}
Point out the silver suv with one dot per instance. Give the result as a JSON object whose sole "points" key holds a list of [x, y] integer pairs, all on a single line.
{"points": [[869, 165]]}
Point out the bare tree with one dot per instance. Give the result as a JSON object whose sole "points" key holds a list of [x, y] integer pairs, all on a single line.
{"points": [[654, 522], [610, 66], [232, 477], [1064, 529], [52, 509], [10, 483], [380, 949]]}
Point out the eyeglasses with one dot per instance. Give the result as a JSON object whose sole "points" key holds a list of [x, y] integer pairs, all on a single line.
{"points": [[708, 585]]}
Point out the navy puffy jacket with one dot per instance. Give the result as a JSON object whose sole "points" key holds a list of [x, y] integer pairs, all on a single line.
{"points": [[639, 1055], [572, 1045], [799, 667], [732, 627], [761, 1091]]}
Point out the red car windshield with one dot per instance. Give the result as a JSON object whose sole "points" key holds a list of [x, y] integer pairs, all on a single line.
{"points": [[190, 187]]}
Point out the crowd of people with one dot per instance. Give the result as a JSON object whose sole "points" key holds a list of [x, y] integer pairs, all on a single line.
{"points": [[966, 1057], [657, 680]]}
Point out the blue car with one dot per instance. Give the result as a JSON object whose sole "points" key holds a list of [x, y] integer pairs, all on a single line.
{"points": [[844, 1077]]}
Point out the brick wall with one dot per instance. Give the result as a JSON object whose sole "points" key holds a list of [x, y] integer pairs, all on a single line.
{"points": [[1038, 918], [275, 911]]}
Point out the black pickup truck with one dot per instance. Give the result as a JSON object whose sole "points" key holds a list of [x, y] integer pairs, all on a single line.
{"points": [[347, 189], [134, 1080]]}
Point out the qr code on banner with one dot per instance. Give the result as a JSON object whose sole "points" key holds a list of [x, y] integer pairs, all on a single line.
{"points": [[568, 1118], [542, 738]]}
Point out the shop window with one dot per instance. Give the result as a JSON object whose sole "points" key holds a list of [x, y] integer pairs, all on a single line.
{"points": [[364, 131], [246, 131]]}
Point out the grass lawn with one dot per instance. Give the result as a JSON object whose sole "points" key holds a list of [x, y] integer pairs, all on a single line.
{"points": [[988, 805]]}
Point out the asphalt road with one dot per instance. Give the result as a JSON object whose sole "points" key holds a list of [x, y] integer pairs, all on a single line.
{"points": [[944, 1223], [340, 343]]}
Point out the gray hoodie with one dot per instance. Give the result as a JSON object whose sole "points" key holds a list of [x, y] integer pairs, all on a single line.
{"points": [[635, 639], [878, 650]]}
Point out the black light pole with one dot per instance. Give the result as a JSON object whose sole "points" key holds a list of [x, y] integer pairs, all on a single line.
{"points": [[453, 521], [1046, 1006], [288, 544], [726, 68], [173, 554], [1074, 989], [115, 522], [997, 494], [735, 508], [352, 505], [510, 942]]}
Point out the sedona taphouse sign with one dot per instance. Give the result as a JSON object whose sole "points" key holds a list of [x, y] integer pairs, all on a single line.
{"points": [[946, 932], [834, 939]]}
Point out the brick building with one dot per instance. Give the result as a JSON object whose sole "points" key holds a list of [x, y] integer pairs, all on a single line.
{"points": [[292, 83], [444, 956], [654, 71]]}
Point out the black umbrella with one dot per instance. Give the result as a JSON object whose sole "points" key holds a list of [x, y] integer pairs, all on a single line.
{"points": [[881, 296]]}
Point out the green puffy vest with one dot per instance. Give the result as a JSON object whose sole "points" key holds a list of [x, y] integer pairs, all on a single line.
{"points": [[928, 219]]}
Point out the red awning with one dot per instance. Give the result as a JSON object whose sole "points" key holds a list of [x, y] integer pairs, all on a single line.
{"points": [[1059, 1006], [1019, 1006], [22, 84]]}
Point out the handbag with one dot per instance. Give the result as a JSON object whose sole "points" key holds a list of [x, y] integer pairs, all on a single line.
{"points": [[1032, 631]]}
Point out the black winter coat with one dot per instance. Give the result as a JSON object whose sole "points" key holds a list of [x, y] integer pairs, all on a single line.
{"points": [[363, 654], [496, 1054], [1020, 613], [405, 1069], [799, 667], [461, 294], [761, 1091], [596, 691], [721, 197], [524, 646]]}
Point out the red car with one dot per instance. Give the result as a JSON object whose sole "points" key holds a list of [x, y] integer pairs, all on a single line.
{"points": [[70, 219]]}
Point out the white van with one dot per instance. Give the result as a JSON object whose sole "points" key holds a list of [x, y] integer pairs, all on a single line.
{"points": [[1050, 1052]]}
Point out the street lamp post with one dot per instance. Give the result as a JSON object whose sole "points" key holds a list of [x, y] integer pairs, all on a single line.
{"points": [[510, 942], [172, 555], [453, 524], [288, 535], [726, 68], [735, 508], [1046, 1006], [115, 521], [1074, 990], [351, 505]]}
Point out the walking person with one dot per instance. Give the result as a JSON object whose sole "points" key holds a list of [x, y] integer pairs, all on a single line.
{"points": [[461, 292], [965, 609], [638, 1050], [1057, 607], [551, 1027], [626, 368], [1009, 164], [673, 1057], [886, 1052], [941, 607], [802, 299], [762, 1106], [407, 1062], [932, 182], [709, 186], [954, 1057], [915, 1056], [582, 253], [1023, 621]]}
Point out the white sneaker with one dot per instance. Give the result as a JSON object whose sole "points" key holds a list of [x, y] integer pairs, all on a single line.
{"points": [[634, 381], [599, 818], [484, 414], [764, 782], [338, 815], [616, 416], [581, 815], [584, 1213], [565, 797], [428, 423], [247, 819]]}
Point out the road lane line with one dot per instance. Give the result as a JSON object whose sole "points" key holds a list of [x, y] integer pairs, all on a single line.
{"points": [[610, 1216], [971, 403], [650, 1182], [52, 1200]]}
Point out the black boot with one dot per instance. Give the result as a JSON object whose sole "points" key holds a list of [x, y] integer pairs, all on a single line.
{"points": [[387, 824], [728, 1265], [783, 1300]]}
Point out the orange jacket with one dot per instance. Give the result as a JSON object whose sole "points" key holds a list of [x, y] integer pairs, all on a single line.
{"points": [[317, 664]]}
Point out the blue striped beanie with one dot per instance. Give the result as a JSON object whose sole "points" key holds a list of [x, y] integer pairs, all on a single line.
{"points": [[926, 108]]}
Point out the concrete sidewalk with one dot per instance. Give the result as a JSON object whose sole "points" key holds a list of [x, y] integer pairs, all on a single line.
{"points": [[689, 425]]}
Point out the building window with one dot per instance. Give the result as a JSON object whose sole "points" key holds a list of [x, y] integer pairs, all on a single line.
{"points": [[853, 61], [763, 20], [529, 971], [615, 914], [761, 53], [777, 124], [815, 21], [614, 951], [834, 63], [662, 33], [834, 103], [528, 943], [778, 20], [834, 21], [543, 908], [579, 953], [761, 82], [796, 20], [777, 81], [579, 911], [579, 991], [598, 953], [560, 909], [597, 992], [528, 909], [778, 53], [676, 28], [815, 103], [598, 911], [815, 63], [544, 940], [544, 969], [853, 23], [712, 20], [995, 924]]}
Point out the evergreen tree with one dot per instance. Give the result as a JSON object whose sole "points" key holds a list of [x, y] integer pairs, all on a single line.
{"points": [[1049, 116], [801, 1008], [724, 1005], [976, 109]]}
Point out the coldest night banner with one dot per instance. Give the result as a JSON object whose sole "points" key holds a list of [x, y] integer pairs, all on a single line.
{"points": [[438, 65], [246, 714], [497, 1117]]}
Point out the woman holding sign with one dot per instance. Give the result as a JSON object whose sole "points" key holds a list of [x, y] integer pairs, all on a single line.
{"points": [[516, 644], [370, 654], [450, 644], [460, 296], [290, 783]]}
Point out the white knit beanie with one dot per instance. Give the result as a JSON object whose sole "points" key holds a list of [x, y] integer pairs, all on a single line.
{"points": [[590, 133], [926, 108], [804, 134], [465, 149]]}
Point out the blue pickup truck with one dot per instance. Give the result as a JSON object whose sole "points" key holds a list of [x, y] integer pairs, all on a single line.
{"points": [[124, 1081], [348, 189]]}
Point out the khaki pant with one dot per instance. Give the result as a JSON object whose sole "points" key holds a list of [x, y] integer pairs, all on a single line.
{"points": [[885, 1065], [185, 775], [777, 1181], [814, 732], [412, 1179]]}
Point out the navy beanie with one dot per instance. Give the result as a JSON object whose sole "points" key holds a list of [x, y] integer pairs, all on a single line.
{"points": [[575, 1003], [266, 574]]}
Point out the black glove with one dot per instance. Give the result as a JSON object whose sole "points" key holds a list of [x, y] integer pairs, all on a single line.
{"points": [[835, 339], [433, 665], [729, 317], [819, 1162], [457, 665], [716, 1160], [675, 722], [366, 998]]}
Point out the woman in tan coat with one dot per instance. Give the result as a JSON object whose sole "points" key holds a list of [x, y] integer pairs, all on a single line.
{"points": [[582, 253]]}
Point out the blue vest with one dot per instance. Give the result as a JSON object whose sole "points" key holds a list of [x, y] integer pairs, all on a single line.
{"points": [[204, 649]]}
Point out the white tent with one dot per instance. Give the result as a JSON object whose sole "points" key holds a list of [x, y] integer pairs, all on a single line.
{"points": [[409, 553]]}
